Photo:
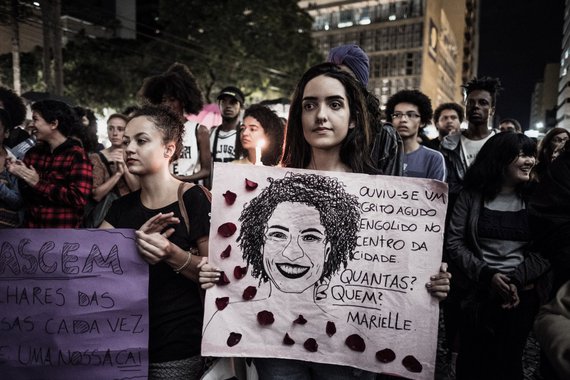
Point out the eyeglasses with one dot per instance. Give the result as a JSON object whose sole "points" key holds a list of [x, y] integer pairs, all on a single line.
{"points": [[409, 115]]}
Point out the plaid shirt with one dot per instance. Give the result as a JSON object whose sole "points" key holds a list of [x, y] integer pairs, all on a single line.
{"points": [[58, 199]]}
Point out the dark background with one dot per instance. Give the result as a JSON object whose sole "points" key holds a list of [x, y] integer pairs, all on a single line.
{"points": [[517, 39]]}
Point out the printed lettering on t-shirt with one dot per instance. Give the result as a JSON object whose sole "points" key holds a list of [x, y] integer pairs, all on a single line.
{"points": [[226, 149], [186, 152]]}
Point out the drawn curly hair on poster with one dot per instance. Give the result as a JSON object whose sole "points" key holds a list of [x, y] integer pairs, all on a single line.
{"points": [[339, 214]]}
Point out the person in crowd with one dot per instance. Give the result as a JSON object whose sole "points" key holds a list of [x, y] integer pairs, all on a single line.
{"points": [[552, 330], [510, 125], [177, 89], [548, 149], [130, 110], [111, 179], [328, 129], [16, 108], [86, 131], [410, 111], [170, 237], [224, 138], [489, 241], [261, 126], [387, 149], [56, 175], [11, 203], [550, 216], [447, 119], [460, 149]]}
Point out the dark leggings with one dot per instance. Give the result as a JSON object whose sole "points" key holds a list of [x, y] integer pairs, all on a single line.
{"points": [[493, 339]]}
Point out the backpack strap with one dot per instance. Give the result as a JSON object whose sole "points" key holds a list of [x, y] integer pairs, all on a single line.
{"points": [[182, 188]]}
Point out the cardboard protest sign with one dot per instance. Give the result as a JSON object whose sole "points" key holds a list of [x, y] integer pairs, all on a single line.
{"points": [[325, 267], [73, 305]]}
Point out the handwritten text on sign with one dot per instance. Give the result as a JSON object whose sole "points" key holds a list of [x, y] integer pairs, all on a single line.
{"points": [[325, 267], [72, 302]]}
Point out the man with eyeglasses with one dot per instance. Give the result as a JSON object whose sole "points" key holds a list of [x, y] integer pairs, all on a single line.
{"points": [[410, 111]]}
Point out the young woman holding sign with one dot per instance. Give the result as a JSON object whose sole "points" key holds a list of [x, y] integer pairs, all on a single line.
{"points": [[170, 242], [328, 129]]}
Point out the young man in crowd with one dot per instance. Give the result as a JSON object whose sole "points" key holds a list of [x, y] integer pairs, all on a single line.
{"points": [[460, 149], [410, 111], [224, 137], [510, 125], [447, 119]]}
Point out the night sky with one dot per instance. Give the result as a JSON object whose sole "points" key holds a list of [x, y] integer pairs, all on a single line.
{"points": [[517, 39]]}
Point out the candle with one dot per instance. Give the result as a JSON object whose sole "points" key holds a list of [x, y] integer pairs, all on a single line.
{"points": [[258, 147]]}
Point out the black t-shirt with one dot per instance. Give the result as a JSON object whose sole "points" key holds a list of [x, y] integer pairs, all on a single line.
{"points": [[175, 306]]}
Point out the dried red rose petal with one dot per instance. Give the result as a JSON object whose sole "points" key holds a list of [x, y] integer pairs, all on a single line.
{"points": [[287, 340], [412, 364], [249, 293], [301, 320], [311, 345], [239, 272], [331, 328], [355, 343], [222, 302], [385, 356], [230, 197], [224, 280], [265, 318], [226, 252], [250, 185], [227, 229], [233, 339]]}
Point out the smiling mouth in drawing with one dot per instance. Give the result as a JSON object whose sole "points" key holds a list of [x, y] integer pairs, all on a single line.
{"points": [[292, 271]]}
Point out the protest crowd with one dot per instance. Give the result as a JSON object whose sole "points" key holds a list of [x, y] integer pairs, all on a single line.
{"points": [[505, 271]]}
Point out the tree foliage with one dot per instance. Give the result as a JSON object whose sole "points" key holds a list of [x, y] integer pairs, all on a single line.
{"points": [[255, 44], [258, 45]]}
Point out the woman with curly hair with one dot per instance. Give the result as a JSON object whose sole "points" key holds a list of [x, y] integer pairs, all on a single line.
{"points": [[260, 126], [169, 241], [178, 90], [489, 242]]}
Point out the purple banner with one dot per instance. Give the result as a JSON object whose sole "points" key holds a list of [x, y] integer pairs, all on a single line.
{"points": [[73, 304]]}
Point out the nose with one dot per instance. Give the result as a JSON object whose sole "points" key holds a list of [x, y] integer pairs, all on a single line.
{"points": [[293, 251], [321, 114], [130, 147]]}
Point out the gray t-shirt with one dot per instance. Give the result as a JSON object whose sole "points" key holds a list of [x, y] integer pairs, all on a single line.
{"points": [[425, 163]]}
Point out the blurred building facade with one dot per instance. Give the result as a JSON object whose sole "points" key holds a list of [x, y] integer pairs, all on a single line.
{"points": [[544, 100], [430, 45], [563, 111], [114, 19]]}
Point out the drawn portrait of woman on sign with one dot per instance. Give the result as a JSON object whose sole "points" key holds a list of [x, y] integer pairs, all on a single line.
{"points": [[297, 233]]}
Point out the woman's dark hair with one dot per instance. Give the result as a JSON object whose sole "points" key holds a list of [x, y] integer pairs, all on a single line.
{"points": [[54, 110], [545, 151], [177, 82], [488, 172], [415, 97], [273, 128], [339, 215], [355, 149], [86, 133], [167, 123], [15, 106]]}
